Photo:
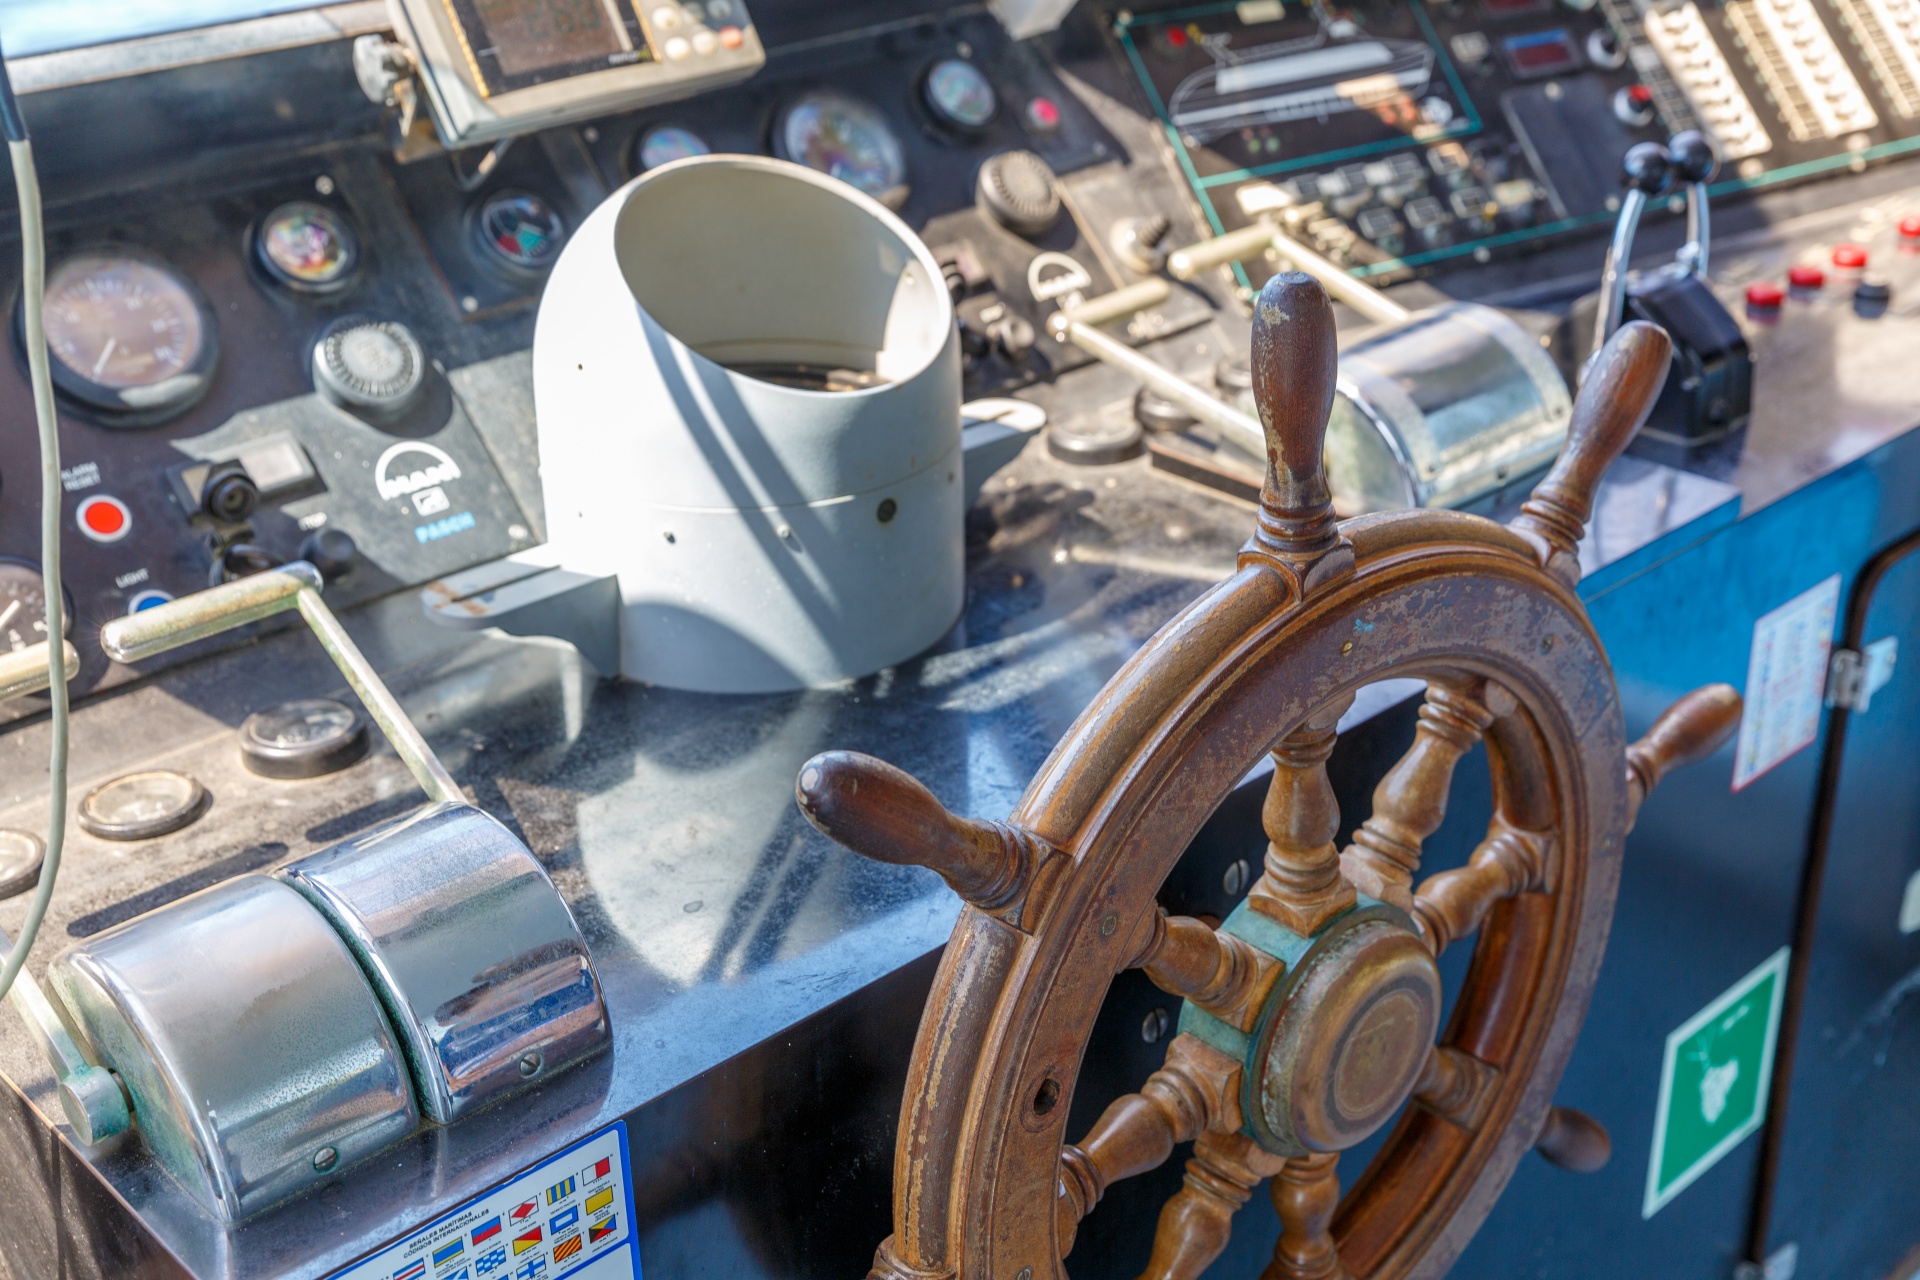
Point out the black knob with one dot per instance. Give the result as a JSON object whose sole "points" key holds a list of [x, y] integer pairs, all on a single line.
{"points": [[373, 368], [331, 551], [1647, 168], [1693, 156], [229, 493], [240, 560], [1017, 189]]}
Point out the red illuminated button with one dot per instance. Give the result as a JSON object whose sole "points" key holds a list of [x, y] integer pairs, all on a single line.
{"points": [[1910, 228], [1765, 294], [1043, 115], [1852, 256], [104, 519], [1806, 277], [1176, 37], [732, 37]]}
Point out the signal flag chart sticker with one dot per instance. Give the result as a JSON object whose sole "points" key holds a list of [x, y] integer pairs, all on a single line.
{"points": [[534, 1227], [1713, 1081]]}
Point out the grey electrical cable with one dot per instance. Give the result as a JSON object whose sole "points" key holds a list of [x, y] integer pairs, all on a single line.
{"points": [[26, 180]]}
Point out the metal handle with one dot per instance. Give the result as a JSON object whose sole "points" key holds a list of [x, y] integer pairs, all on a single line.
{"points": [[91, 1096], [1184, 264], [1076, 325], [291, 586], [28, 670]]}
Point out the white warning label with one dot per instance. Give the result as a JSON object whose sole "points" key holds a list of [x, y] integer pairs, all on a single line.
{"points": [[1786, 680], [572, 1216]]}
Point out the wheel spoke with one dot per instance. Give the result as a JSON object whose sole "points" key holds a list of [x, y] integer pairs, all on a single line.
{"points": [[1301, 886], [1411, 801], [1457, 1087], [1306, 1191], [1451, 905], [1196, 1089], [1188, 958], [1197, 1222]]}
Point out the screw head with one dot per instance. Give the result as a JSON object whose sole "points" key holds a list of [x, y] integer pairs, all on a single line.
{"points": [[1235, 878], [530, 1063], [1346, 647], [325, 1158], [1546, 644], [888, 510], [1108, 923]]}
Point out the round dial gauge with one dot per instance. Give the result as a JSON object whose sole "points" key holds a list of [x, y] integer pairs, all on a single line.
{"points": [[23, 606], [520, 230], [128, 333], [959, 94], [307, 246], [666, 143], [847, 139]]}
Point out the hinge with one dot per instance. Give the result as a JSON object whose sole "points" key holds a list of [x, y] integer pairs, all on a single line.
{"points": [[1855, 675]]}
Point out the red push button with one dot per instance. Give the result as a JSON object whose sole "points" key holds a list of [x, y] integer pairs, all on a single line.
{"points": [[732, 37], [1910, 228], [1806, 277], [1850, 256], [1043, 115], [1765, 295], [104, 519]]}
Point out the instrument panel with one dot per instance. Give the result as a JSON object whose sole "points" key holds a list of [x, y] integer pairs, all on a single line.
{"points": [[1407, 134]]}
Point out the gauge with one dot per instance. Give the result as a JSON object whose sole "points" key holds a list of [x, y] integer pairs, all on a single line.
{"points": [[520, 230], [959, 94], [666, 143], [129, 333], [847, 139], [23, 606], [307, 246]]}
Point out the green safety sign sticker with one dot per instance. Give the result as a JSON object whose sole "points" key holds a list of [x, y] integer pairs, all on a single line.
{"points": [[1713, 1083]]}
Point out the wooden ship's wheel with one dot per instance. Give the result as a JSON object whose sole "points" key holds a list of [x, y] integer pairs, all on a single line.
{"points": [[1312, 1014]]}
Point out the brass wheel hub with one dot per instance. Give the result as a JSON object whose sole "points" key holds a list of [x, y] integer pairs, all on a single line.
{"points": [[1345, 1036]]}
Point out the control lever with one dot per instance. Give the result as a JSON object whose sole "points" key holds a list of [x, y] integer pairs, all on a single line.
{"points": [[1646, 170], [1694, 163], [1185, 264], [91, 1097], [1709, 391], [1078, 325], [262, 595]]}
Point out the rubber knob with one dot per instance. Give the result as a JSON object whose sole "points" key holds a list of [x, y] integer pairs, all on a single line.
{"points": [[1765, 295], [1647, 168], [1850, 256], [1694, 159], [1873, 289], [1806, 277], [1017, 189], [1910, 228]]}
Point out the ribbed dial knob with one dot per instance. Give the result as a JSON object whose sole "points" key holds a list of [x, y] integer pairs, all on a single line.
{"points": [[1016, 188], [374, 368]]}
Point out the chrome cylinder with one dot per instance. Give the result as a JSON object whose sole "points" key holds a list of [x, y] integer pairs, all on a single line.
{"points": [[1441, 410], [469, 946], [257, 1058]]}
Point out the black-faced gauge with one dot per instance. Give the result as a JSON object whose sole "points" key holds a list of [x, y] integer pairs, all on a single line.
{"points": [[307, 246], [846, 139], [520, 230], [665, 143], [130, 335], [23, 606], [302, 739], [959, 95]]}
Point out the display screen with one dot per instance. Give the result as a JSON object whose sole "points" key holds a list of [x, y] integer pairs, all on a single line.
{"points": [[535, 35], [516, 44]]}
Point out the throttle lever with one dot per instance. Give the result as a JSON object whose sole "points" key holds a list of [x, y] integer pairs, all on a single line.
{"points": [[1646, 170], [1694, 163]]}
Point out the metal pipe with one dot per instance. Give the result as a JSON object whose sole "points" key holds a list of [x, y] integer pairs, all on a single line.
{"points": [[291, 586], [1224, 418], [27, 671], [1186, 263], [1806, 914], [1117, 305], [1613, 279]]}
